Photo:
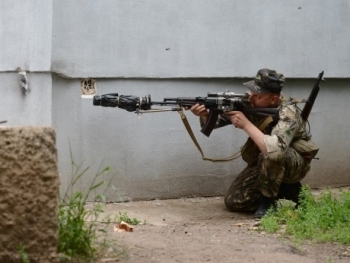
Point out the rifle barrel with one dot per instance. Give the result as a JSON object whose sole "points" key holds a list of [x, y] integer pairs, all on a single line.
{"points": [[310, 101]]}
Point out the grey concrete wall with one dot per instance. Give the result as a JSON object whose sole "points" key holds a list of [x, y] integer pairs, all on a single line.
{"points": [[34, 108], [25, 43], [26, 34], [329, 129], [152, 156], [200, 38], [169, 48]]}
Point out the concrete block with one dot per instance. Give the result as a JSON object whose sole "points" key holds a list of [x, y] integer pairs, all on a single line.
{"points": [[29, 186]]}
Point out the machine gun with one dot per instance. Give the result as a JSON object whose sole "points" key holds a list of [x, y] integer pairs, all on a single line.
{"points": [[216, 103]]}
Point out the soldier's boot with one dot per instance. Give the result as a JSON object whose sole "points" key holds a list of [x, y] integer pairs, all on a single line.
{"points": [[265, 203], [290, 192]]}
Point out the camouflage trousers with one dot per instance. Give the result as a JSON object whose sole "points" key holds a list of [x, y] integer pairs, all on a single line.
{"points": [[265, 178]]}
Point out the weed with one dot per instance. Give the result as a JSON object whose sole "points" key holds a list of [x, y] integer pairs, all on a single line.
{"points": [[322, 220], [124, 217], [80, 236], [23, 254]]}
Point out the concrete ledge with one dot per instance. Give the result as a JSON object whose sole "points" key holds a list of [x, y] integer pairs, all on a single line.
{"points": [[28, 193]]}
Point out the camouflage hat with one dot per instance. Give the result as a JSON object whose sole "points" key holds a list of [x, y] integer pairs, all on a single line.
{"points": [[266, 81]]}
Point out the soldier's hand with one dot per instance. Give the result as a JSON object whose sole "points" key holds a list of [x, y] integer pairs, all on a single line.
{"points": [[238, 119], [199, 110]]}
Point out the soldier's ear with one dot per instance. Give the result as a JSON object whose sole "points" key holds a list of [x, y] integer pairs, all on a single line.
{"points": [[274, 99]]}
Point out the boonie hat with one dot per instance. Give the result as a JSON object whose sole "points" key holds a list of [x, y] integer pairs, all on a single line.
{"points": [[266, 81]]}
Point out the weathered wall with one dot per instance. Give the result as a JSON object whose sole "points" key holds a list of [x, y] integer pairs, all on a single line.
{"points": [[26, 35], [33, 108], [153, 156], [200, 38], [169, 49], [25, 43], [28, 193]]}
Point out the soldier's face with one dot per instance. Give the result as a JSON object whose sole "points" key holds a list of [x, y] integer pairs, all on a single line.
{"points": [[263, 100]]}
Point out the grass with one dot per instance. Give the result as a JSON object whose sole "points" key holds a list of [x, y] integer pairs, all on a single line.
{"points": [[125, 217], [23, 254], [82, 233], [323, 219]]}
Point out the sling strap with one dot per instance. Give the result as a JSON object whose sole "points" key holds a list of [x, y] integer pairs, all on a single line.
{"points": [[234, 156]]}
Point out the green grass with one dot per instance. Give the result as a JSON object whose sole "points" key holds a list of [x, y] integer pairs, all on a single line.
{"points": [[23, 254], [125, 217], [322, 219], [82, 233]]}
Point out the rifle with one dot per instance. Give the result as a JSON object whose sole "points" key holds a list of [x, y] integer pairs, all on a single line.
{"points": [[216, 103], [310, 101]]}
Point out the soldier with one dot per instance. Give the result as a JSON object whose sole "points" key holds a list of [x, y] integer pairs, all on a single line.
{"points": [[277, 157]]}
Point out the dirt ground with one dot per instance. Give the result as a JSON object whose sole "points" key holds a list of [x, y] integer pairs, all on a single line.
{"points": [[202, 230]]}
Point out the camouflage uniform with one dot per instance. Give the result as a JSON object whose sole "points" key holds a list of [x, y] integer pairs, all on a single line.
{"points": [[264, 174]]}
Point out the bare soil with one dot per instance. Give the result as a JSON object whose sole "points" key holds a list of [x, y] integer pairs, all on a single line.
{"points": [[203, 230]]}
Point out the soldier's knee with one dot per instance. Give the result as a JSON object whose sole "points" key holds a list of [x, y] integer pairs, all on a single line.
{"points": [[231, 204], [236, 205]]}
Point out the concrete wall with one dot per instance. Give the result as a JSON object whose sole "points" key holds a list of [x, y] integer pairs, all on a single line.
{"points": [[25, 43], [169, 49], [26, 34], [200, 38], [19, 109], [152, 155]]}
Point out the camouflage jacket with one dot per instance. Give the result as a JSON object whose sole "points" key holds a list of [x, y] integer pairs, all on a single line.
{"points": [[289, 128]]}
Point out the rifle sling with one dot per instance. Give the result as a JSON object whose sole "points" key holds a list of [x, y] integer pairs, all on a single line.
{"points": [[234, 156]]}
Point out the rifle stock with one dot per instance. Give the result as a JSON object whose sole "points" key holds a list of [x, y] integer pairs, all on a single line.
{"points": [[258, 112]]}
